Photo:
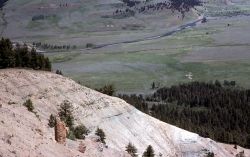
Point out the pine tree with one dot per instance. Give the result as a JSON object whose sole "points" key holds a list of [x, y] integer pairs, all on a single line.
{"points": [[153, 85], [47, 65], [52, 121], [18, 58], [149, 152], [40, 62], [99, 132], [65, 113], [130, 148], [7, 56], [25, 57], [248, 141], [33, 58], [107, 89]]}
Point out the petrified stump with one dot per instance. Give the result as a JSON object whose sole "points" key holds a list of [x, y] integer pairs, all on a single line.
{"points": [[60, 131], [82, 148]]}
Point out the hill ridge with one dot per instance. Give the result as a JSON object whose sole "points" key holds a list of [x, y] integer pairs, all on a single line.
{"points": [[121, 122]]}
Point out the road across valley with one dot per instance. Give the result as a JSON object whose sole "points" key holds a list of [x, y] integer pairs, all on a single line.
{"points": [[178, 29]]}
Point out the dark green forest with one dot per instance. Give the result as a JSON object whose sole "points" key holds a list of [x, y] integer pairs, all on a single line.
{"points": [[220, 111], [21, 57]]}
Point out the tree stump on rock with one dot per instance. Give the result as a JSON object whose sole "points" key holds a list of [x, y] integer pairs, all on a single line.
{"points": [[60, 131]]}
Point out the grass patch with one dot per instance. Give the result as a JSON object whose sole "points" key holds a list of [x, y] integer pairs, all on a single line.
{"points": [[62, 57]]}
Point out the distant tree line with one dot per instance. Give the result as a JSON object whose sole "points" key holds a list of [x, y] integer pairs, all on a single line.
{"points": [[131, 3], [220, 111], [184, 5], [107, 89], [181, 6], [21, 56], [53, 47], [2, 2], [42, 17]]}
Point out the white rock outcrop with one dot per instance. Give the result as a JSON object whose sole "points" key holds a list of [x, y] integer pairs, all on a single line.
{"points": [[24, 134]]}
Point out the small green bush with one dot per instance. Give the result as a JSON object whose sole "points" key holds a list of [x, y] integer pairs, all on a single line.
{"points": [[80, 131], [99, 132], [71, 135], [59, 72], [29, 105], [210, 154]]}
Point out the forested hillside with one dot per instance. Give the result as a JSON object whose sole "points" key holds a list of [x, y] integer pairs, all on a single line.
{"points": [[214, 110], [2, 3], [21, 56]]}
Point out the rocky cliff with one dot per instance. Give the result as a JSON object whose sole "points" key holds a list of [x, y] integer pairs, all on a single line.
{"points": [[23, 133]]}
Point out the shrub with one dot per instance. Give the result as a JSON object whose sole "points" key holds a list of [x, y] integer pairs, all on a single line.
{"points": [[99, 132], [210, 154], [71, 135], [240, 154], [59, 72], [29, 105], [80, 131], [52, 121]]}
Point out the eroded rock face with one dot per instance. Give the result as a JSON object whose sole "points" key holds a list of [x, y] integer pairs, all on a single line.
{"points": [[121, 122], [60, 131]]}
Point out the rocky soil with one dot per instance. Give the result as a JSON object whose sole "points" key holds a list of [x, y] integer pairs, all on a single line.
{"points": [[23, 133]]}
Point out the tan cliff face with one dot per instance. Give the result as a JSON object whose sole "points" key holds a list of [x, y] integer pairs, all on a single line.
{"points": [[22, 133]]}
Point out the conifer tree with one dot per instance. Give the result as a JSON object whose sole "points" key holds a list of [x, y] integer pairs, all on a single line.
{"points": [[7, 57], [47, 65], [21, 56], [66, 114], [149, 152], [52, 121], [33, 58], [130, 148]]}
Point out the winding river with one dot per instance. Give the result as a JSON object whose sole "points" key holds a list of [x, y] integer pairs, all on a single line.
{"points": [[178, 29]]}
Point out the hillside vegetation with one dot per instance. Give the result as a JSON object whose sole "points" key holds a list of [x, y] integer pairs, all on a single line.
{"points": [[21, 56], [213, 110]]}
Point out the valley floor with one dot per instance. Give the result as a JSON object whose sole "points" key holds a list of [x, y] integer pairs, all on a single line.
{"points": [[217, 49]]}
